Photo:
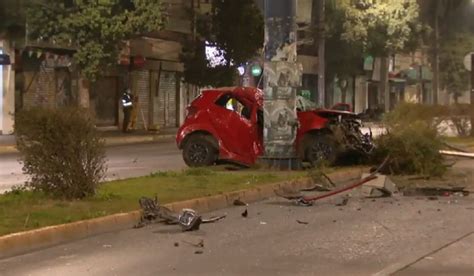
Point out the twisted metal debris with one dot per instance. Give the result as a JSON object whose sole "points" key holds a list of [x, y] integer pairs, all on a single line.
{"points": [[188, 219]]}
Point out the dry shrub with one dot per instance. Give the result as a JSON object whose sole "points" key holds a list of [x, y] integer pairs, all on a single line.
{"points": [[61, 151], [412, 141]]}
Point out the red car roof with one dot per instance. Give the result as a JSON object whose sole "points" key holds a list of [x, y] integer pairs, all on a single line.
{"points": [[249, 94]]}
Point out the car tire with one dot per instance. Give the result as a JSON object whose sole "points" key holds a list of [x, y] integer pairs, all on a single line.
{"points": [[321, 148], [200, 151]]}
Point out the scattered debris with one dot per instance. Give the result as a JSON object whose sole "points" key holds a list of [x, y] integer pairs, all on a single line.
{"points": [[436, 191], [198, 252], [382, 186], [188, 219], [306, 200], [302, 222], [200, 244], [263, 223], [239, 202], [342, 201], [107, 246], [358, 209], [176, 244], [432, 198], [245, 213]]}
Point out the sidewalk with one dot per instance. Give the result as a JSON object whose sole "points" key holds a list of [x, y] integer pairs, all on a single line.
{"points": [[112, 136]]}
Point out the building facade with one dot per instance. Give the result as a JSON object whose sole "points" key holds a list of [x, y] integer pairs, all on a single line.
{"points": [[44, 75]]}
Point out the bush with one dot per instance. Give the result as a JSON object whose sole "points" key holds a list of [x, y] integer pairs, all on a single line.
{"points": [[61, 151], [413, 149], [459, 117], [412, 141]]}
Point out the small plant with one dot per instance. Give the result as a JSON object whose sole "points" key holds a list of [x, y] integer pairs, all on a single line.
{"points": [[61, 151]]}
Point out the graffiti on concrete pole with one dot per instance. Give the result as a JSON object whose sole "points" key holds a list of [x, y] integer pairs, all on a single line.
{"points": [[282, 76]]}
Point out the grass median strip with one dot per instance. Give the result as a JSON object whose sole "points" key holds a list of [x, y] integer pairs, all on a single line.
{"points": [[26, 210]]}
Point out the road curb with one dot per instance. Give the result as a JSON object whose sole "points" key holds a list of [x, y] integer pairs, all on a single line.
{"points": [[24, 242]]}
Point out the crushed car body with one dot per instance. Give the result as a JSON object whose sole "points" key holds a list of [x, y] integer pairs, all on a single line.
{"points": [[226, 124]]}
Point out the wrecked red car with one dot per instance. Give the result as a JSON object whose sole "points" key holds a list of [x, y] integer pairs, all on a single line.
{"points": [[226, 124]]}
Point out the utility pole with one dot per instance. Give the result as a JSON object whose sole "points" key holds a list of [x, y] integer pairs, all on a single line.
{"points": [[282, 76], [472, 94], [435, 61], [321, 100]]}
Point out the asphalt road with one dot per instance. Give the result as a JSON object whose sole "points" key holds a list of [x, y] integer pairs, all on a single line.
{"points": [[123, 162], [365, 237]]}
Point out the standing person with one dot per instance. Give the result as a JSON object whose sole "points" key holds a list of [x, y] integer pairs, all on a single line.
{"points": [[127, 109]]}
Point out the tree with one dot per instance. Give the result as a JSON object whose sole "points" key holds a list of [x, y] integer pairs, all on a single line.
{"points": [[234, 29], [436, 14], [343, 59], [12, 23], [382, 28], [96, 29], [453, 76]]}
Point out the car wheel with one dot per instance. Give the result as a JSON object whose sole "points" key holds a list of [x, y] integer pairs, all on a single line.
{"points": [[321, 148], [200, 151]]}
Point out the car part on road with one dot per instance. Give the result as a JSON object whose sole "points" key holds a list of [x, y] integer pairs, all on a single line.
{"points": [[200, 244], [239, 202], [188, 219], [342, 201]]}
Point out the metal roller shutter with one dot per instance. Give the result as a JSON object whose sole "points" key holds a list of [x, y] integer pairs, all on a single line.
{"points": [[167, 99]]}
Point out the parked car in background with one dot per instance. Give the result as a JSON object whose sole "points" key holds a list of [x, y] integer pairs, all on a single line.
{"points": [[226, 124]]}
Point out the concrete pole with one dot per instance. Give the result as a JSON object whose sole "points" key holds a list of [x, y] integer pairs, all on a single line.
{"points": [[321, 100], [435, 61], [472, 95], [282, 76]]}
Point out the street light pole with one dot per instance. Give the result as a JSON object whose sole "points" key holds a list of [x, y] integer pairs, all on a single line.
{"points": [[472, 95]]}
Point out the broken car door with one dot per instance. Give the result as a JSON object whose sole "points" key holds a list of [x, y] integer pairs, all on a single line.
{"points": [[233, 124]]}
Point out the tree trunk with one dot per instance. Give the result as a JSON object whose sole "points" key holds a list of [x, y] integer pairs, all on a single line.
{"points": [[384, 92], [435, 57], [84, 89]]}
